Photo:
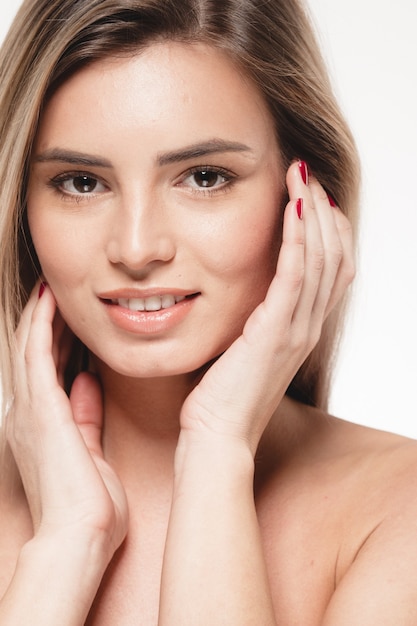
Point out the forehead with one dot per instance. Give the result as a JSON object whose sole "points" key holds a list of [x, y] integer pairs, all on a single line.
{"points": [[167, 89]]}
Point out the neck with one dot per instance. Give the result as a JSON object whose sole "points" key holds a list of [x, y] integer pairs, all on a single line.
{"points": [[142, 425], [141, 421]]}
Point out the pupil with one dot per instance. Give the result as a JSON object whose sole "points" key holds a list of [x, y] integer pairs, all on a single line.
{"points": [[206, 179], [84, 184]]}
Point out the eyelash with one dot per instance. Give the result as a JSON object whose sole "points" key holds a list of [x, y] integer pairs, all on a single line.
{"points": [[229, 179], [57, 182]]}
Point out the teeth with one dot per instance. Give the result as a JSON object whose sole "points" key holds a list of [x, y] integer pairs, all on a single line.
{"points": [[136, 304], [153, 303], [167, 300], [124, 302]]}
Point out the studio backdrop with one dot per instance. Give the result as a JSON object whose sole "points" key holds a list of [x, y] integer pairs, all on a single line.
{"points": [[371, 50]]}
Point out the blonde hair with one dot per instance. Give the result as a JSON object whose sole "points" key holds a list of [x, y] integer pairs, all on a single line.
{"points": [[273, 42]]}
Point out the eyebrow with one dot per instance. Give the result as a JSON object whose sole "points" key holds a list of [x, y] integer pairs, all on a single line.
{"points": [[212, 146], [72, 157]]}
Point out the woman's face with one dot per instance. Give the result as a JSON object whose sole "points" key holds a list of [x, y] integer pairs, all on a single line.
{"points": [[153, 204]]}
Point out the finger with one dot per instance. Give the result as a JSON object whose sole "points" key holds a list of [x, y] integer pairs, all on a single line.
{"points": [[87, 406], [346, 270], [22, 330], [314, 247], [39, 345], [274, 315], [332, 251], [36, 328]]}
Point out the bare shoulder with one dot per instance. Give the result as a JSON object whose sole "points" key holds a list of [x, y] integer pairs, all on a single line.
{"points": [[337, 505], [377, 538], [383, 467], [335, 452], [380, 466], [367, 475]]}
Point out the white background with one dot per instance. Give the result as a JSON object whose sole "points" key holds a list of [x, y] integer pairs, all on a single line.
{"points": [[371, 50]]}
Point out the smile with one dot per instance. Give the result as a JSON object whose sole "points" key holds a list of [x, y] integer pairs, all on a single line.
{"points": [[149, 316], [153, 303]]}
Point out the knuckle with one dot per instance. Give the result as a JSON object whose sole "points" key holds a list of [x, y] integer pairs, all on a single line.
{"points": [[294, 280], [343, 224], [10, 427], [300, 340], [13, 433], [320, 193], [305, 339], [336, 255], [298, 343], [314, 337], [317, 259], [298, 242], [316, 188], [28, 355], [349, 270]]}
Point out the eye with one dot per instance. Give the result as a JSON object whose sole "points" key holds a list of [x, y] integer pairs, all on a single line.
{"points": [[78, 184], [207, 178], [81, 184]]}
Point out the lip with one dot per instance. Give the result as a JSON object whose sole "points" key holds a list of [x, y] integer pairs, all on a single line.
{"points": [[131, 292], [147, 323]]}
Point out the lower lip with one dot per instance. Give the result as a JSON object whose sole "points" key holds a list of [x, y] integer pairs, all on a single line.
{"points": [[149, 322]]}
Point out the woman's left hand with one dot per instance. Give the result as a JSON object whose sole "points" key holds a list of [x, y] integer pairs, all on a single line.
{"points": [[239, 393], [214, 564]]}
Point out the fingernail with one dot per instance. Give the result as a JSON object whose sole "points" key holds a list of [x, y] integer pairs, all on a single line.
{"points": [[331, 201], [41, 289], [303, 167], [299, 207]]}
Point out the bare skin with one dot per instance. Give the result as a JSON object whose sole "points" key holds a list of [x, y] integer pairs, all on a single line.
{"points": [[168, 494], [330, 498]]}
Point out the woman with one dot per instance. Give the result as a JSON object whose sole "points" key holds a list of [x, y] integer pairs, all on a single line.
{"points": [[174, 266]]}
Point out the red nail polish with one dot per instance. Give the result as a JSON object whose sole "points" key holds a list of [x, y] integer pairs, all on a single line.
{"points": [[331, 201], [41, 289], [299, 207], [303, 167]]}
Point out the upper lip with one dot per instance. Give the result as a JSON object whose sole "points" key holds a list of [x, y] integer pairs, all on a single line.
{"points": [[128, 293]]}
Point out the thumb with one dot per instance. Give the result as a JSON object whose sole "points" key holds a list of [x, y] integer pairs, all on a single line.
{"points": [[87, 406]]}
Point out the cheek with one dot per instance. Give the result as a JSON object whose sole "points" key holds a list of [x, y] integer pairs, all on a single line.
{"points": [[59, 251], [255, 265], [245, 249], [244, 268]]}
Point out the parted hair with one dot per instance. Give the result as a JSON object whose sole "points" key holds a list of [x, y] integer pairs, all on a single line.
{"points": [[271, 41]]}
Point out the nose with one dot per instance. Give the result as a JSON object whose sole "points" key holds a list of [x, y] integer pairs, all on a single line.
{"points": [[140, 234]]}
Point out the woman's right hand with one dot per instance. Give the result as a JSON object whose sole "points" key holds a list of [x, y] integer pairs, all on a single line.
{"points": [[56, 440], [77, 503]]}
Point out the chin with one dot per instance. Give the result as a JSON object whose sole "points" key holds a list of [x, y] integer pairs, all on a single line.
{"points": [[148, 368]]}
